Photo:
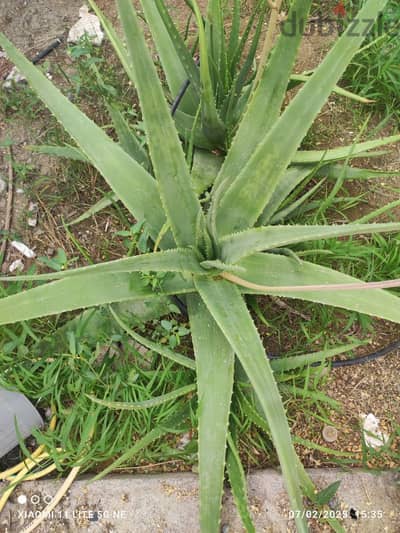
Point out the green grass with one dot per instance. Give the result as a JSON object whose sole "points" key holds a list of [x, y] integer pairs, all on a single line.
{"points": [[95, 357], [375, 70], [19, 102]]}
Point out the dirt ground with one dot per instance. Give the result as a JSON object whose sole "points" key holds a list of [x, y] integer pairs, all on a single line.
{"points": [[32, 25]]}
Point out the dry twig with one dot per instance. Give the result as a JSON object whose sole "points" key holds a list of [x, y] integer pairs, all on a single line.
{"points": [[9, 206]]}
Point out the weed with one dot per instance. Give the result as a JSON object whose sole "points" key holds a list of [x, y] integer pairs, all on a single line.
{"points": [[375, 70], [101, 362], [20, 102]]}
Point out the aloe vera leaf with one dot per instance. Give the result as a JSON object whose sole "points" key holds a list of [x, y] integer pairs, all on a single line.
{"points": [[179, 200], [81, 292], [145, 404], [229, 310], [277, 270], [214, 367], [275, 150], [238, 245]]}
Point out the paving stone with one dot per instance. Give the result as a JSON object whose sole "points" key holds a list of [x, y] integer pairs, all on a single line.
{"points": [[169, 503]]}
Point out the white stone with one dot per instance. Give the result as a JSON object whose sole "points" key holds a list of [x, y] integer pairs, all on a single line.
{"points": [[14, 77], [3, 185], [23, 249], [88, 24], [374, 437], [16, 266]]}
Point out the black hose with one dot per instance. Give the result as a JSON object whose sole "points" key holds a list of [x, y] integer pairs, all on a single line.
{"points": [[52, 46], [178, 99], [373, 356], [182, 91], [45, 52]]}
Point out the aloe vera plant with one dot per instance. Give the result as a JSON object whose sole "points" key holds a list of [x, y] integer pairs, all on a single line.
{"points": [[217, 251]]}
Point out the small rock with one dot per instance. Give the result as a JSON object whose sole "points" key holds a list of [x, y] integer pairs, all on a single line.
{"points": [[374, 438], [88, 24], [23, 249], [16, 266], [3, 185], [14, 77], [329, 433]]}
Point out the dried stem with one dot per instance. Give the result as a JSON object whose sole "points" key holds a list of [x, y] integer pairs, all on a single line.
{"points": [[57, 498], [269, 38], [8, 217], [389, 284]]}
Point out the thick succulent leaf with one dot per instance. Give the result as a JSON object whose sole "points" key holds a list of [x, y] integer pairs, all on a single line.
{"points": [[285, 364], [242, 77], [213, 127], [172, 51], [135, 187], [128, 138], [347, 172], [190, 131], [229, 310], [168, 261], [215, 30], [179, 200], [205, 168], [236, 54], [69, 152], [277, 270], [302, 78], [81, 292], [234, 36], [238, 245], [266, 102], [243, 202], [190, 67], [145, 404], [237, 481], [343, 152], [215, 366]]}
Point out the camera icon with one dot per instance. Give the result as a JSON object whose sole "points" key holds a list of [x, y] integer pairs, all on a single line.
{"points": [[37, 499]]}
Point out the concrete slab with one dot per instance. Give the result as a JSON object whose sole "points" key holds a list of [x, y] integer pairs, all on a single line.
{"points": [[169, 503]]}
